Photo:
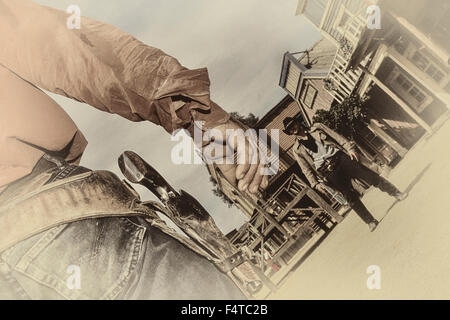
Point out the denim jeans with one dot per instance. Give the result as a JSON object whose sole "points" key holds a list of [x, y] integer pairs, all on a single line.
{"points": [[109, 258], [117, 258], [341, 179]]}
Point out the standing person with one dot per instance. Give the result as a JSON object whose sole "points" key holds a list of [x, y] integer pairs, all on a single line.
{"points": [[326, 157], [58, 219]]}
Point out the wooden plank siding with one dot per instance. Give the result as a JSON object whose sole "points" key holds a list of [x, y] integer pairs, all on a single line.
{"points": [[292, 78], [289, 110], [354, 7], [322, 101]]}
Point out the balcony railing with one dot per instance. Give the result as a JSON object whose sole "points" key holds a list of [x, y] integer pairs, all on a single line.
{"points": [[292, 219], [341, 81]]}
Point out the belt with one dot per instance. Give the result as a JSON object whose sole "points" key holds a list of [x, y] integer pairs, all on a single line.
{"points": [[57, 193], [46, 170], [331, 164]]}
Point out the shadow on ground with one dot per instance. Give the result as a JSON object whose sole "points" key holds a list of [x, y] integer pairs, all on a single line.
{"points": [[409, 188], [328, 232]]}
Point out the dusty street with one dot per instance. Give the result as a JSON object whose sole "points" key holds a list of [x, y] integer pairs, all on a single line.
{"points": [[411, 245]]}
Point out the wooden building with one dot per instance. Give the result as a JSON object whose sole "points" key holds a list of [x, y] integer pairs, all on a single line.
{"points": [[404, 70], [288, 218], [403, 67]]}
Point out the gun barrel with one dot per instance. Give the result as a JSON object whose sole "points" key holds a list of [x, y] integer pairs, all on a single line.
{"points": [[137, 170]]}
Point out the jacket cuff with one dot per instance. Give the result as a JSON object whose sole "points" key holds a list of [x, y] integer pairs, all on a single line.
{"points": [[351, 145], [214, 117]]}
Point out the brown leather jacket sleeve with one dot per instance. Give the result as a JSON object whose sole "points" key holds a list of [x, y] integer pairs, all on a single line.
{"points": [[104, 67]]}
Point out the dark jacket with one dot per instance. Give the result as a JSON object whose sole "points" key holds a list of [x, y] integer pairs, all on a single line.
{"points": [[325, 135]]}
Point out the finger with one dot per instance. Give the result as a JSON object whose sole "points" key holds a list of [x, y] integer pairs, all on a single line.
{"points": [[265, 181], [251, 158], [257, 179], [215, 153], [229, 172], [244, 154], [254, 165], [245, 182], [242, 169]]}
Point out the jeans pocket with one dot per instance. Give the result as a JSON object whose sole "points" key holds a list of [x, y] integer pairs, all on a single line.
{"points": [[87, 259]]}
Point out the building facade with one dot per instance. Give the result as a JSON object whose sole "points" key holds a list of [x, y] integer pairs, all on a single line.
{"points": [[397, 57], [403, 71], [287, 218]]}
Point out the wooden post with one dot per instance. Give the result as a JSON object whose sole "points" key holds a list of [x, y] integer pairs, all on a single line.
{"points": [[419, 75], [324, 205], [398, 100], [413, 31], [273, 287], [388, 139]]}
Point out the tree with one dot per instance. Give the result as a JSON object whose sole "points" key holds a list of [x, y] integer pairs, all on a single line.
{"points": [[345, 118], [219, 193], [249, 120]]}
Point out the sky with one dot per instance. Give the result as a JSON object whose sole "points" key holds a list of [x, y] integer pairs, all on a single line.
{"points": [[241, 42]]}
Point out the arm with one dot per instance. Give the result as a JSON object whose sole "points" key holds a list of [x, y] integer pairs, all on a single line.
{"points": [[305, 167], [104, 67], [349, 146], [107, 68]]}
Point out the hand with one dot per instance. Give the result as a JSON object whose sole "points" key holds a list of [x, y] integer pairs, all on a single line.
{"points": [[245, 170], [353, 155], [321, 188]]}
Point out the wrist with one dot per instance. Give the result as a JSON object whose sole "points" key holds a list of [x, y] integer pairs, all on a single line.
{"points": [[214, 118]]}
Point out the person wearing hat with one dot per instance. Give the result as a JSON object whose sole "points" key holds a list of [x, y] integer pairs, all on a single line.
{"points": [[328, 159]]}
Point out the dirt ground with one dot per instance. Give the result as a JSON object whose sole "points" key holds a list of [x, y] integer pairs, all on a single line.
{"points": [[411, 246]]}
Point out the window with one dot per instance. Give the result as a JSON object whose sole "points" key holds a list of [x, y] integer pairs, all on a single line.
{"points": [[425, 65], [431, 70], [447, 88], [420, 61], [314, 10], [438, 76], [403, 82], [309, 95], [410, 92], [419, 96], [401, 45], [344, 19], [354, 28], [347, 25]]}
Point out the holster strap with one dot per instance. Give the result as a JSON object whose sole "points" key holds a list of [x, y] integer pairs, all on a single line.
{"points": [[87, 195]]}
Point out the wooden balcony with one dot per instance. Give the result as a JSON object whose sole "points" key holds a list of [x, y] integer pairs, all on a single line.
{"points": [[342, 80], [284, 228]]}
